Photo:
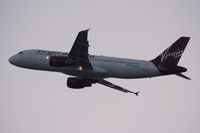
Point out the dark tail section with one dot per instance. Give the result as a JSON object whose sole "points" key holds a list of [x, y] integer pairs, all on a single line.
{"points": [[167, 61]]}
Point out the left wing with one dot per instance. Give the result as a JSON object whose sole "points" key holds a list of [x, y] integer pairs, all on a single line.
{"points": [[79, 51], [109, 84]]}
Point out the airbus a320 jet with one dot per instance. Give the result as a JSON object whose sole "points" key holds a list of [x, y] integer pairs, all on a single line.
{"points": [[89, 69]]}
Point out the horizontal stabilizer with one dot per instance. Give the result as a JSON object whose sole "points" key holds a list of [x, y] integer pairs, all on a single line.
{"points": [[182, 76]]}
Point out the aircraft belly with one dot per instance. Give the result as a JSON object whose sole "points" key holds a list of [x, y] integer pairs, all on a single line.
{"points": [[86, 73]]}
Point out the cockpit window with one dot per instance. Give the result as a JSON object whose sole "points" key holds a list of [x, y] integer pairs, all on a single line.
{"points": [[20, 53]]}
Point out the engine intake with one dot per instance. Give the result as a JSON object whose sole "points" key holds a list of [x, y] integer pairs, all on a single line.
{"points": [[78, 83]]}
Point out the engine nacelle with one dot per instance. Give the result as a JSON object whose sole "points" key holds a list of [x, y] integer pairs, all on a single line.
{"points": [[57, 61], [78, 83]]}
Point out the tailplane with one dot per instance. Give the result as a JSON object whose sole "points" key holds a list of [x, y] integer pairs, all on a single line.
{"points": [[183, 76], [167, 61]]}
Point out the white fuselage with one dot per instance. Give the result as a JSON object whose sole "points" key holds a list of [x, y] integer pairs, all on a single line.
{"points": [[103, 66]]}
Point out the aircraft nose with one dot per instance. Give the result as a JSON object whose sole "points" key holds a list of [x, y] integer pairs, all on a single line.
{"points": [[11, 60]]}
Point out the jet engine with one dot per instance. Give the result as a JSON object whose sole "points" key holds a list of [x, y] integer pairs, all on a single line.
{"points": [[78, 83], [57, 61]]}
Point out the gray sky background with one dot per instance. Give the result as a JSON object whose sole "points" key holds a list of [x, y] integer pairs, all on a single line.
{"points": [[39, 102]]}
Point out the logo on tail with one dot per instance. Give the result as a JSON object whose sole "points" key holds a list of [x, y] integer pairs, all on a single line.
{"points": [[174, 52]]}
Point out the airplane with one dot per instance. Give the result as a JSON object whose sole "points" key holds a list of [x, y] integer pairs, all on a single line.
{"points": [[87, 69]]}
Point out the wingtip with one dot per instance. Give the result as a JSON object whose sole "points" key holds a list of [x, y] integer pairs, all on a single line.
{"points": [[85, 30], [136, 93], [185, 37]]}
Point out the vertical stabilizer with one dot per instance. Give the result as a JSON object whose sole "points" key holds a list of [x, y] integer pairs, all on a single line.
{"points": [[171, 56]]}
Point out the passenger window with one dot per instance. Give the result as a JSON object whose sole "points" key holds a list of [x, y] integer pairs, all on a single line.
{"points": [[20, 53]]}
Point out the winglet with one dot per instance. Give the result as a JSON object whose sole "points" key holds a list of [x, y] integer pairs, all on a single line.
{"points": [[136, 93], [85, 30]]}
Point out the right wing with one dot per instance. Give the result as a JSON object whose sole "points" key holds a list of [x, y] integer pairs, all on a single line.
{"points": [[109, 84]]}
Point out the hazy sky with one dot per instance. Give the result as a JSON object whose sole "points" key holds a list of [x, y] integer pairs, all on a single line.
{"points": [[40, 102]]}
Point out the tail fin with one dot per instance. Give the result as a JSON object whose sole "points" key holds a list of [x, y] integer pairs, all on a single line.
{"points": [[171, 56]]}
